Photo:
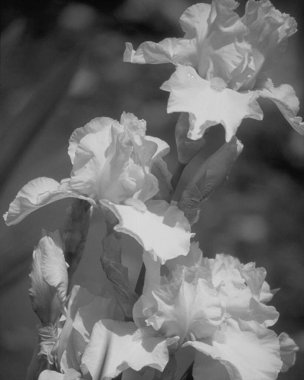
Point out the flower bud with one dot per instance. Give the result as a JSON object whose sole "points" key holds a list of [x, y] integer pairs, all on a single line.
{"points": [[49, 279]]}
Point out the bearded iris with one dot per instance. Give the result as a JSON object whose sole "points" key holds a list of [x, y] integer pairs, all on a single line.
{"points": [[112, 169], [203, 303], [219, 64]]}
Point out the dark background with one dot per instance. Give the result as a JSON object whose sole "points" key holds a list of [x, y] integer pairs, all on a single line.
{"points": [[61, 65]]}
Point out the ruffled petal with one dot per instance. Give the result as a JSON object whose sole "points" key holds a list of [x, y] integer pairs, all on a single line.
{"points": [[287, 102], [268, 315], [288, 349], [194, 21], [185, 307], [98, 124], [116, 346], [38, 193], [242, 289], [225, 53], [114, 162], [169, 50], [267, 26], [207, 104], [248, 351], [161, 229]]}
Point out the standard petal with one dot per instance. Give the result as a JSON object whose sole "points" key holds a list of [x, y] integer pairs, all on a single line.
{"points": [[98, 124], [38, 193], [185, 307], [248, 351], [169, 50], [267, 26], [116, 346], [161, 229], [194, 21], [225, 53], [207, 104], [114, 162], [287, 102]]}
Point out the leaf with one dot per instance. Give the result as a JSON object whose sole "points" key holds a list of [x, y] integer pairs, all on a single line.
{"points": [[200, 178], [117, 273]]}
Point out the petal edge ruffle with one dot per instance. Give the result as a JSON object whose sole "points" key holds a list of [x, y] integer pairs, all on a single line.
{"points": [[37, 193], [161, 229]]}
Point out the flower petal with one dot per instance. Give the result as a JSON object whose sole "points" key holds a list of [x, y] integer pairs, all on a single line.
{"points": [[51, 375], [169, 50], [288, 349], [225, 53], [38, 193], [248, 351], [207, 104], [98, 124], [286, 100], [185, 307], [84, 310], [263, 313], [162, 147], [161, 229], [116, 346], [114, 161], [71, 374], [267, 26], [194, 21]]}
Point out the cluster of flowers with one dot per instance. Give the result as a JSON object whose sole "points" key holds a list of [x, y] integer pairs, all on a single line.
{"points": [[219, 307]]}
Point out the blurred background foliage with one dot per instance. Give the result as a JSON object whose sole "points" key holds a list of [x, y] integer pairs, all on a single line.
{"points": [[61, 65]]}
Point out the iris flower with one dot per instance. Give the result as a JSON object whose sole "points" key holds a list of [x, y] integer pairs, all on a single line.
{"points": [[219, 64], [216, 306], [112, 167]]}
